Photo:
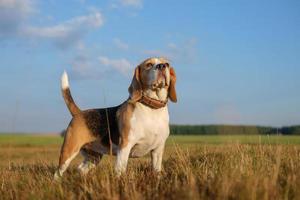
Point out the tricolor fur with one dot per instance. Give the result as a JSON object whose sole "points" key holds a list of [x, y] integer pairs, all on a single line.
{"points": [[133, 127]]}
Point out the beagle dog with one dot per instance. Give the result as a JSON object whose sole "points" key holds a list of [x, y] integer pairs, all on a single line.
{"points": [[132, 129]]}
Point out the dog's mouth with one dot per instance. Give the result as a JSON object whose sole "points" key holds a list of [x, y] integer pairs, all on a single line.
{"points": [[159, 84]]}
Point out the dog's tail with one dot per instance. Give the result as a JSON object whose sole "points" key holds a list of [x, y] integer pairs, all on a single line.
{"points": [[73, 108]]}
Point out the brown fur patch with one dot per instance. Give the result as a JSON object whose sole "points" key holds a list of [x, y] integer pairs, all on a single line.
{"points": [[77, 135], [73, 108], [172, 90], [135, 88]]}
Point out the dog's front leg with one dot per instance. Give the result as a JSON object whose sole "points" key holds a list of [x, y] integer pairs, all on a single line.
{"points": [[122, 159], [156, 157]]}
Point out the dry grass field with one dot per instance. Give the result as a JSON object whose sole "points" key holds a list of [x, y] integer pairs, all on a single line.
{"points": [[195, 167]]}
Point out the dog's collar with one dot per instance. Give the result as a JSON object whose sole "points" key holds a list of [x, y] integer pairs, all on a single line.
{"points": [[152, 103]]}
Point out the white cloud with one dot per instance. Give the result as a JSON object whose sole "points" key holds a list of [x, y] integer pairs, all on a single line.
{"points": [[120, 44], [23, 6], [85, 64], [13, 15], [86, 67], [121, 65], [67, 33], [81, 65], [132, 3], [14, 22]]}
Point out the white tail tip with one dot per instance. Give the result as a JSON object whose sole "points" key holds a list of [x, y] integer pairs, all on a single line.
{"points": [[64, 81]]}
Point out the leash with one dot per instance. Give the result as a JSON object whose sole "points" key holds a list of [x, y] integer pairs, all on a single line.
{"points": [[108, 128]]}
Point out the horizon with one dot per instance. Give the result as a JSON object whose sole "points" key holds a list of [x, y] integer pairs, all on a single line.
{"points": [[237, 62], [226, 125]]}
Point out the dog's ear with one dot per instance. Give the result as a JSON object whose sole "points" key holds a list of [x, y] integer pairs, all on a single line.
{"points": [[135, 88], [172, 90]]}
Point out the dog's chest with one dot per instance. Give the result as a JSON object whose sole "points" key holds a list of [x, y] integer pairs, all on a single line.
{"points": [[149, 129]]}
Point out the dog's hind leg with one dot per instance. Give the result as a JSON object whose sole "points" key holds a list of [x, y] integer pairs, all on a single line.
{"points": [[75, 138], [91, 159]]}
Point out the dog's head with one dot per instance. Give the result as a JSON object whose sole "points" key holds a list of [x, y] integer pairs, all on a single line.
{"points": [[155, 78]]}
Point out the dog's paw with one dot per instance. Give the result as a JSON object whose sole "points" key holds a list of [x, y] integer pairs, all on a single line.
{"points": [[85, 167], [57, 177]]}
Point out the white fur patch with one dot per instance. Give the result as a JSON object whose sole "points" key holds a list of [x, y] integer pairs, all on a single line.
{"points": [[161, 94], [122, 159], [149, 129], [157, 61], [64, 81], [86, 166], [58, 174], [66, 164], [167, 75]]}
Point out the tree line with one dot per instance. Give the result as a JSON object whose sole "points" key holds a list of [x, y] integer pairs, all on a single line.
{"points": [[232, 130]]}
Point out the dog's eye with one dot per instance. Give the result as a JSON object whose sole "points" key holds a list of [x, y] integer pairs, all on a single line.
{"points": [[167, 64], [149, 65]]}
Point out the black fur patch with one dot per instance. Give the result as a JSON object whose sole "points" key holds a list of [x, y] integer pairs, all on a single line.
{"points": [[93, 156], [96, 121]]}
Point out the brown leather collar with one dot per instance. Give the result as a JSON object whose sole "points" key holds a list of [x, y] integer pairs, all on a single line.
{"points": [[152, 103]]}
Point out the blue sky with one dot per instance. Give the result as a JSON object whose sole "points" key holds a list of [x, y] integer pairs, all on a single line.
{"points": [[237, 61]]}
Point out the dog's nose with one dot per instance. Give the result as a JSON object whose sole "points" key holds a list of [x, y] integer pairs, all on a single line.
{"points": [[161, 66]]}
